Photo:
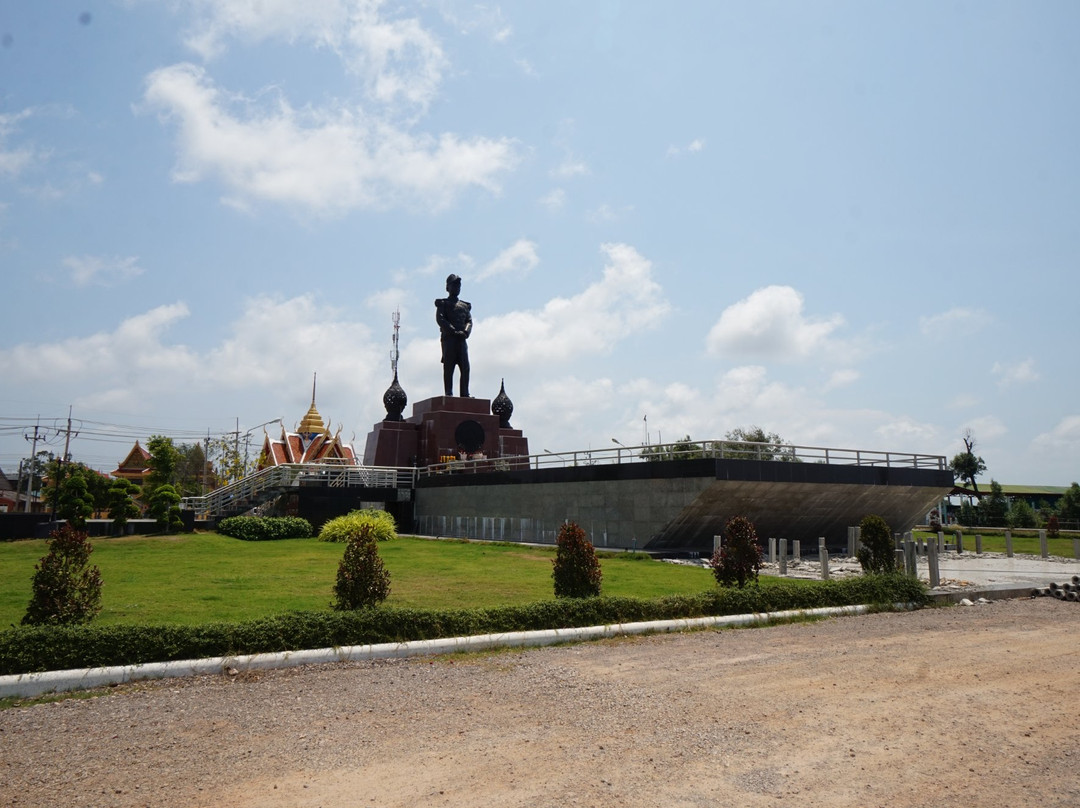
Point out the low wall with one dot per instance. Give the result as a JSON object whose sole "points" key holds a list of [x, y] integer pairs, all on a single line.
{"points": [[676, 506]]}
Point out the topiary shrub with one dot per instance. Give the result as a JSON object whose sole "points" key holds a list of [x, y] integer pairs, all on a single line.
{"points": [[877, 554], [165, 508], [739, 558], [576, 570], [362, 579], [265, 528], [344, 528], [66, 589]]}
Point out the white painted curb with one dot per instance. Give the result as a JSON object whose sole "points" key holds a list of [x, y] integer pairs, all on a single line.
{"points": [[27, 685]]}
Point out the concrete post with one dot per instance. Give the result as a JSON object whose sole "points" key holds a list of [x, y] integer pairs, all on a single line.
{"points": [[796, 550], [1008, 543], [772, 550], [1043, 547], [941, 541], [851, 542], [898, 541], [783, 556], [978, 543], [1076, 548], [717, 543], [959, 542], [899, 559], [932, 563], [823, 557], [911, 564]]}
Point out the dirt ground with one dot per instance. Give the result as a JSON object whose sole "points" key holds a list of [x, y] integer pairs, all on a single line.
{"points": [[965, 706]]}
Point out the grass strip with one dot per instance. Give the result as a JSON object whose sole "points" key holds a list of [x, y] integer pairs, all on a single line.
{"points": [[33, 649]]}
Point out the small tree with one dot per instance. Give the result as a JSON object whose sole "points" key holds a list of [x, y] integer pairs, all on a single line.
{"points": [[1021, 514], [122, 505], [65, 588], [739, 558], [362, 579], [576, 569], [877, 554], [1053, 530], [165, 508]]}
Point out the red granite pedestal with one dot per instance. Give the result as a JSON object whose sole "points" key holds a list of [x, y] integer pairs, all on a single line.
{"points": [[443, 429]]}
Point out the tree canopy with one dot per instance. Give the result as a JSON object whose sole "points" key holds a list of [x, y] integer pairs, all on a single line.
{"points": [[967, 465]]}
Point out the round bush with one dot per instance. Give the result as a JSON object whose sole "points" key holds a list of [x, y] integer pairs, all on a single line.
{"points": [[345, 528]]}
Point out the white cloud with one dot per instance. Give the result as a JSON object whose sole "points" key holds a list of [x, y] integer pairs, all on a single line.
{"points": [[693, 147], [102, 270], [1065, 437], [625, 301], [274, 344], [554, 199], [906, 431], [841, 378], [397, 59], [770, 324], [985, 428], [1015, 373], [602, 214], [519, 258], [135, 348], [14, 160], [955, 323], [325, 161], [569, 168]]}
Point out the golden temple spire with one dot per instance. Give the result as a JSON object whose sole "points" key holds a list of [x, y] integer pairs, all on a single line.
{"points": [[312, 422]]}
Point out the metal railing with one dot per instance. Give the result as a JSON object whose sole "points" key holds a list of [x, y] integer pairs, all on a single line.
{"points": [[694, 450], [258, 488]]}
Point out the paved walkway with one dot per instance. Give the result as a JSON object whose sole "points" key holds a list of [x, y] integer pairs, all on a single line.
{"points": [[998, 569]]}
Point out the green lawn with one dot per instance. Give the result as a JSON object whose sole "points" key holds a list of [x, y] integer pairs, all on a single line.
{"points": [[993, 541], [192, 579]]}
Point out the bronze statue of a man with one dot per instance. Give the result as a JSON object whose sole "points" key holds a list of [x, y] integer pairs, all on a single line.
{"points": [[455, 323]]}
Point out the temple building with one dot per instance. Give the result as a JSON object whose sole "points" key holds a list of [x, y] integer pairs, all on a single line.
{"points": [[312, 442], [135, 466]]}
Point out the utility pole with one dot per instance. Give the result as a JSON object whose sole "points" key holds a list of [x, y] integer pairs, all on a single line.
{"points": [[60, 464], [33, 462]]}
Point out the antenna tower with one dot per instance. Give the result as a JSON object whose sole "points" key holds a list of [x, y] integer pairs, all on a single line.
{"points": [[394, 353]]}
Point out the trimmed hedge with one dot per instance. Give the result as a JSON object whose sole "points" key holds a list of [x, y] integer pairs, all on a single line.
{"points": [[265, 528], [39, 648]]}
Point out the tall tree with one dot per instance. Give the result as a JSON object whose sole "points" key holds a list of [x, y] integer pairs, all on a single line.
{"points": [[967, 465], [1068, 508], [997, 507], [164, 460]]}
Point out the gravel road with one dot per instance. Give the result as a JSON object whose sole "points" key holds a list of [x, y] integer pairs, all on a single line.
{"points": [[965, 706]]}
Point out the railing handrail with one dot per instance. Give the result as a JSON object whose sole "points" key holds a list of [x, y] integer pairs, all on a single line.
{"points": [[687, 450], [290, 474]]}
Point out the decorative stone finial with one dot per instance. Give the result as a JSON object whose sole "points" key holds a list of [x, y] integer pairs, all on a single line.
{"points": [[394, 399], [502, 406]]}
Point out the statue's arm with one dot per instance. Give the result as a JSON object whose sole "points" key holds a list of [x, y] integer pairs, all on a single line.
{"points": [[440, 316]]}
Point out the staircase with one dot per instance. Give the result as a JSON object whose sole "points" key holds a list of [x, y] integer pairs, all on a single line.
{"points": [[266, 485]]}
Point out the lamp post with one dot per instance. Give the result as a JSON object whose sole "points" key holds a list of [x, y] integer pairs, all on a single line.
{"points": [[618, 456]]}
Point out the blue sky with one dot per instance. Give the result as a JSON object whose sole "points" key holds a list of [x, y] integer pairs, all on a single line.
{"points": [[854, 224]]}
